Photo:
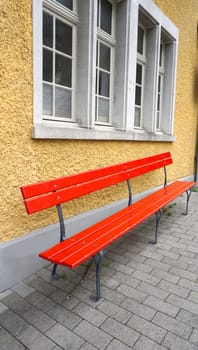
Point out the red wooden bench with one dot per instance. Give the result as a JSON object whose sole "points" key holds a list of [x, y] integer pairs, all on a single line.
{"points": [[90, 242]]}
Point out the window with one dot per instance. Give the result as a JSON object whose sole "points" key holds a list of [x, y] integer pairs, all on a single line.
{"points": [[103, 69], [57, 68]]}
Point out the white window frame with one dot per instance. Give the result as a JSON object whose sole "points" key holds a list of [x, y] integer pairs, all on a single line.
{"points": [[83, 125]]}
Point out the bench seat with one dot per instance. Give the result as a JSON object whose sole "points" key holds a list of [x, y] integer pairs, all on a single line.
{"points": [[83, 245]]}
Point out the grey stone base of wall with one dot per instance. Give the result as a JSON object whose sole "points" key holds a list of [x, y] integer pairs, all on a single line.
{"points": [[19, 257]]}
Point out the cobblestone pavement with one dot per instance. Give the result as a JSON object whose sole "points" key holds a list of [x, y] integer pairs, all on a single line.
{"points": [[149, 295]]}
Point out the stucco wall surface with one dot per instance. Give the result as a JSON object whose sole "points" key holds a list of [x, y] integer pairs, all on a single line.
{"points": [[24, 160]]}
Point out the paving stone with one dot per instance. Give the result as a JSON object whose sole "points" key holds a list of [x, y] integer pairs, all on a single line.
{"points": [[109, 282], [42, 286], [162, 306], [131, 293], [5, 294], [12, 322], [175, 263], [16, 303], [174, 289], [38, 319], [119, 331], [188, 317], [42, 302], [110, 295], [35, 340], [117, 345], [139, 266], [61, 298], [194, 337], [190, 285], [173, 342], [126, 279], [2, 308], [122, 268], [114, 311], [177, 327], [8, 342], [90, 314], [22, 289], [167, 276], [183, 273], [139, 309], [152, 290], [160, 265], [146, 277], [65, 317], [183, 303], [167, 254], [95, 336], [65, 338], [146, 328], [149, 253], [144, 343], [88, 346]]}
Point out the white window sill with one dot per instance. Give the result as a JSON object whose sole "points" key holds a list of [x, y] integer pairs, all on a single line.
{"points": [[42, 131]]}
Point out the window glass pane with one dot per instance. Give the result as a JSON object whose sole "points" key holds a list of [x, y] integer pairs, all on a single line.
{"points": [[62, 103], [106, 15], [159, 83], [47, 30], [158, 121], [47, 100], [139, 74], [63, 70], [104, 84], [66, 3], [158, 102], [140, 44], [137, 117], [138, 96], [105, 53], [47, 65], [63, 37], [103, 110]]}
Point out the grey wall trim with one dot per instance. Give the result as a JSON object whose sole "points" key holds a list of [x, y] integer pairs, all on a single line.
{"points": [[19, 257]]}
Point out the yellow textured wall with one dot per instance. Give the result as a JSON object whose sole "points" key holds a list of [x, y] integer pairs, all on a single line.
{"points": [[24, 160]]}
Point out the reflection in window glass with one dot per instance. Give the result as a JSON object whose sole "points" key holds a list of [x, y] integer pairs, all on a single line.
{"points": [[62, 103], [105, 57], [63, 37], [106, 16], [140, 42], [47, 99], [47, 65], [47, 30], [63, 71]]}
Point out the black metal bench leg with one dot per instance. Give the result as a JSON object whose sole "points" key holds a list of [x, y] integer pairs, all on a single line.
{"points": [[98, 262], [188, 193], [55, 276], [158, 216]]}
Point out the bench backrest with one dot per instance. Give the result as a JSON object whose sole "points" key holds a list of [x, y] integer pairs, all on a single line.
{"points": [[50, 193]]}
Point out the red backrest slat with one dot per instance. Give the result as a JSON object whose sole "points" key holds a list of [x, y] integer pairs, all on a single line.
{"points": [[49, 193]]}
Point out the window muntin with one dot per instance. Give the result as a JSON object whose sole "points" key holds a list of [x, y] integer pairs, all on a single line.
{"points": [[57, 67]]}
